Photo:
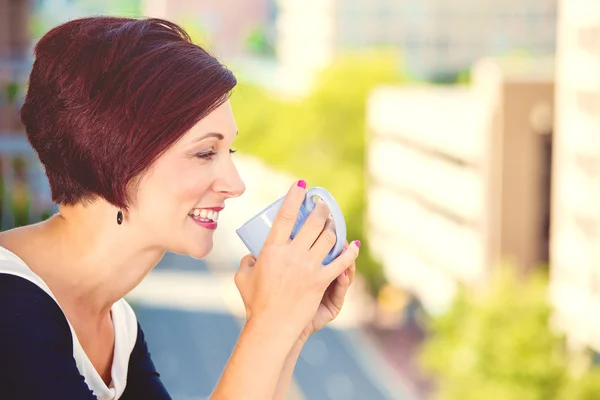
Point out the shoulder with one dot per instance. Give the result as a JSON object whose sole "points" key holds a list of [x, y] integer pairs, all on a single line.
{"points": [[27, 308], [28, 311], [30, 319], [36, 344]]}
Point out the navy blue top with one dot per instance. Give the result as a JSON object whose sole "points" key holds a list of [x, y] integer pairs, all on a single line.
{"points": [[36, 351]]}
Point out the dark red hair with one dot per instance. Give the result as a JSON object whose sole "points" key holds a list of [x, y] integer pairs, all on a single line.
{"points": [[108, 95]]}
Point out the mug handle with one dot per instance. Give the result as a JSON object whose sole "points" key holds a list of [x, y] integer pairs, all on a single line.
{"points": [[338, 219]]}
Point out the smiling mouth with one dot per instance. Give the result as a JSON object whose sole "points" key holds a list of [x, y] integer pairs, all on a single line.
{"points": [[204, 215]]}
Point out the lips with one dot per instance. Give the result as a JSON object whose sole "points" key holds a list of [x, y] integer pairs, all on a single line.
{"points": [[206, 217], [205, 224]]}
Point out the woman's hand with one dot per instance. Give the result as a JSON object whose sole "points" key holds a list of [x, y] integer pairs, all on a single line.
{"points": [[287, 286], [332, 301]]}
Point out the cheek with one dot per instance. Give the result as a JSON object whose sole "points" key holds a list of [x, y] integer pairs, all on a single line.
{"points": [[159, 192], [174, 189], [190, 186], [184, 187]]}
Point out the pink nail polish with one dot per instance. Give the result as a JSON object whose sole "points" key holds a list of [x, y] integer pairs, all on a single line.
{"points": [[302, 183], [346, 272], [357, 242]]}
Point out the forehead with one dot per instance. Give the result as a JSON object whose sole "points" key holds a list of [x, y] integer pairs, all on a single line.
{"points": [[220, 120]]}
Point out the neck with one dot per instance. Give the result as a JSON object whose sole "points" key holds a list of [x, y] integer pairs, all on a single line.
{"points": [[93, 260]]}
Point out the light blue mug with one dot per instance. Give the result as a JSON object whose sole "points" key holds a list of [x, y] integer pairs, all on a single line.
{"points": [[254, 232]]}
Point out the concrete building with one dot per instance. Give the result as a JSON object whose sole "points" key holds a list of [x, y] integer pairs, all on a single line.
{"points": [[438, 38], [14, 33], [458, 178], [14, 59], [575, 239], [226, 24]]}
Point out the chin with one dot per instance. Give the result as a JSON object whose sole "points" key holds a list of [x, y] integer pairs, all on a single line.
{"points": [[194, 243], [199, 250]]}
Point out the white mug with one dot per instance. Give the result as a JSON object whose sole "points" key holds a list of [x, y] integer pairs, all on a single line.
{"points": [[254, 232]]}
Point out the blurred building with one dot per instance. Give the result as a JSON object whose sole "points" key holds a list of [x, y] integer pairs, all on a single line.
{"points": [[438, 38], [458, 177], [442, 38], [575, 240], [14, 32], [14, 56], [228, 27]]}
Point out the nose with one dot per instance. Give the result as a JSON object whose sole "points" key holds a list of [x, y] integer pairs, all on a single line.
{"points": [[230, 184]]}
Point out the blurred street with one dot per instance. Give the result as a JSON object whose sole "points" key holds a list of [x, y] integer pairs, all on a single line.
{"points": [[191, 332]]}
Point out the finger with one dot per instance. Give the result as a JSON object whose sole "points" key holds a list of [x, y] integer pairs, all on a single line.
{"points": [[338, 291], [341, 263], [313, 226], [352, 272], [242, 274], [324, 243], [344, 277], [287, 214]]}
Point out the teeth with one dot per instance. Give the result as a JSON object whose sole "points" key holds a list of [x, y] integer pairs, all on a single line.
{"points": [[209, 215]]}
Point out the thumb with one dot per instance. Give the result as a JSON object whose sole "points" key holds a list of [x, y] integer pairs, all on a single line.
{"points": [[247, 262]]}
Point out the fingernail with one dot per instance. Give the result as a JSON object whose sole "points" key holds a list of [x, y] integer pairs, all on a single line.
{"points": [[346, 272], [357, 243], [302, 183]]}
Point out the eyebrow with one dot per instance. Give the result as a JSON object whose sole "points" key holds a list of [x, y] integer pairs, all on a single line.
{"points": [[217, 135]]}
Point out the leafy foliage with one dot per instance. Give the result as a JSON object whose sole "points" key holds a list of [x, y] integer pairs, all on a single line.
{"points": [[498, 345]]}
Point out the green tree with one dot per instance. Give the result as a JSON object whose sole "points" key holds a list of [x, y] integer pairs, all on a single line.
{"points": [[498, 345], [258, 42]]}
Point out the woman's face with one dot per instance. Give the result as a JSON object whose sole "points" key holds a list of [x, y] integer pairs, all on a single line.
{"points": [[181, 195]]}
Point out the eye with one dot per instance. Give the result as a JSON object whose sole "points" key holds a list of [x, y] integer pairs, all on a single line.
{"points": [[208, 155]]}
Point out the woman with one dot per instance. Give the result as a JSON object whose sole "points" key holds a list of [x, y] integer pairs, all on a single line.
{"points": [[133, 125]]}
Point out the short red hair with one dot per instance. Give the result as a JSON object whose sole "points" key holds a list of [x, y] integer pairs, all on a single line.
{"points": [[108, 95]]}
